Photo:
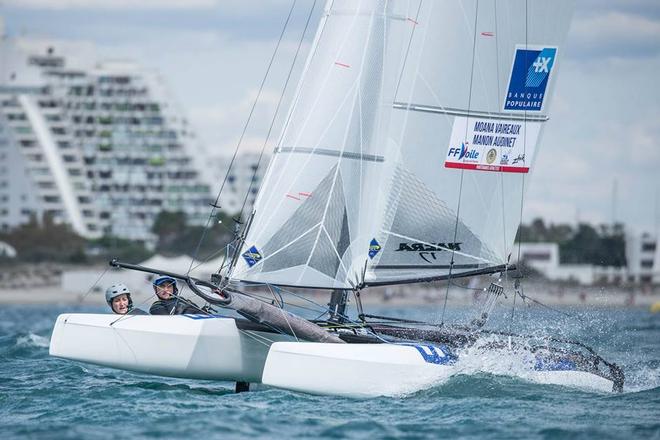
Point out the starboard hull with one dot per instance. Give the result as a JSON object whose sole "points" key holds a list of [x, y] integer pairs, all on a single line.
{"points": [[356, 370], [186, 346], [371, 370]]}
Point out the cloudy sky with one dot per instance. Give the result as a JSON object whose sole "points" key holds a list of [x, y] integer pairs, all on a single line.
{"points": [[602, 139]]}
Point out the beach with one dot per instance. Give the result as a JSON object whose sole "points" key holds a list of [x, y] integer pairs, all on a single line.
{"points": [[76, 285]]}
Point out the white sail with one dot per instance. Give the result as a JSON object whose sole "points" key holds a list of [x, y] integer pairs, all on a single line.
{"points": [[408, 143], [466, 135], [316, 208]]}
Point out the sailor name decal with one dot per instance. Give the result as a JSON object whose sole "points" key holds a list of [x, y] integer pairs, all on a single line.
{"points": [[485, 144]]}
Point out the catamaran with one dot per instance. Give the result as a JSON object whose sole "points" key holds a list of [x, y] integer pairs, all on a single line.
{"points": [[403, 159]]}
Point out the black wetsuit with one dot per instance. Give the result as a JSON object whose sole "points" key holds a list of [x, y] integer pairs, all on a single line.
{"points": [[137, 312], [174, 306]]}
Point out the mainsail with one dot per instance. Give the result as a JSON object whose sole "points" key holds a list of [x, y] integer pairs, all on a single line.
{"points": [[405, 152]]}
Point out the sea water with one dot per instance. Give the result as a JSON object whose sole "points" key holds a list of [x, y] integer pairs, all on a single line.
{"points": [[44, 397]]}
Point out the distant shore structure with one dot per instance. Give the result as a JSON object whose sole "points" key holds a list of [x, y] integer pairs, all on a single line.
{"points": [[99, 145], [244, 178], [642, 263]]}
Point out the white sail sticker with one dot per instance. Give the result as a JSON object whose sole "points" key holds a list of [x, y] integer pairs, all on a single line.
{"points": [[487, 144]]}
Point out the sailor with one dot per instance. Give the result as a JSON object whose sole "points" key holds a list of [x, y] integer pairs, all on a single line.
{"points": [[118, 297], [169, 303]]}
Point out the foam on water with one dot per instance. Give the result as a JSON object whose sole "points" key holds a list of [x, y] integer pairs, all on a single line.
{"points": [[642, 378], [32, 340]]}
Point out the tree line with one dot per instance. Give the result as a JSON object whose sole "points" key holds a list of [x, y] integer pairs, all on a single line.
{"points": [[48, 241], [602, 245], [41, 241]]}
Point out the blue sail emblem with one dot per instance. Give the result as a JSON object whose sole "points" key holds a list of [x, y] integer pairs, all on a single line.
{"points": [[374, 248], [252, 256], [529, 78]]}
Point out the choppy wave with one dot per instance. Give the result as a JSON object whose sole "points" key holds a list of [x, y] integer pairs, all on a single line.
{"points": [[32, 340], [488, 395], [643, 377]]}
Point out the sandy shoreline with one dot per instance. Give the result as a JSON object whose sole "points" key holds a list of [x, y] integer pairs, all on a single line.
{"points": [[411, 296], [50, 283]]}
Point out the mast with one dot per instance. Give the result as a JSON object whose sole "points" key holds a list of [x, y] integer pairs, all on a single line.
{"points": [[337, 305]]}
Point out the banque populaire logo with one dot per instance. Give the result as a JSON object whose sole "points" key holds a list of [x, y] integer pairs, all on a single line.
{"points": [[529, 78]]}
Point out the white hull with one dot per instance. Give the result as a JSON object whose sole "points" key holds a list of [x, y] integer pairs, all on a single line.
{"points": [[371, 370], [352, 370], [195, 347], [200, 347]]}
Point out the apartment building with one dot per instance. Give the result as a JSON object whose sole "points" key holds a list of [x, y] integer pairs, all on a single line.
{"points": [[643, 255], [101, 146], [243, 180]]}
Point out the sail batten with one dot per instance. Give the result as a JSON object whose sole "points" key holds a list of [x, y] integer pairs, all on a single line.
{"points": [[332, 152], [465, 112]]}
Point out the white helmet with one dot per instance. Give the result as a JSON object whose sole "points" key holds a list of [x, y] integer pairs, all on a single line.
{"points": [[115, 290]]}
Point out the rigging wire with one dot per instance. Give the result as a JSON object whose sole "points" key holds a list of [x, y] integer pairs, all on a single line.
{"points": [[279, 103], [522, 187], [240, 139], [239, 241], [524, 297], [405, 58], [460, 189], [349, 324], [499, 97], [82, 298]]}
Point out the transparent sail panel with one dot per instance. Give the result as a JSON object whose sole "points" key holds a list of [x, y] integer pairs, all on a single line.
{"points": [[407, 149], [466, 139], [316, 208]]}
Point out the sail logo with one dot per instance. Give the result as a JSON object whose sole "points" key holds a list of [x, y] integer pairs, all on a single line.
{"points": [[491, 156], [529, 78], [427, 251], [374, 248], [433, 354], [252, 256], [463, 153], [425, 247]]}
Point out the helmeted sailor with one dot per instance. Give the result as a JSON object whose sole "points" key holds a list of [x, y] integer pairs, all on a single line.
{"points": [[118, 297], [169, 303]]}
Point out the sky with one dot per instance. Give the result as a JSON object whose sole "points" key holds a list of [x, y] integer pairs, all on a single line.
{"points": [[600, 153]]}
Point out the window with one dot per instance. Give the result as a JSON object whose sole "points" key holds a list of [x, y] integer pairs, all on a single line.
{"points": [[647, 264], [648, 247], [536, 256]]}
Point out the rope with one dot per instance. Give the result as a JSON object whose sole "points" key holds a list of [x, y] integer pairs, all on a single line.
{"points": [[522, 187], [258, 338], [279, 103], [460, 189], [240, 139], [525, 297], [405, 58], [82, 298]]}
